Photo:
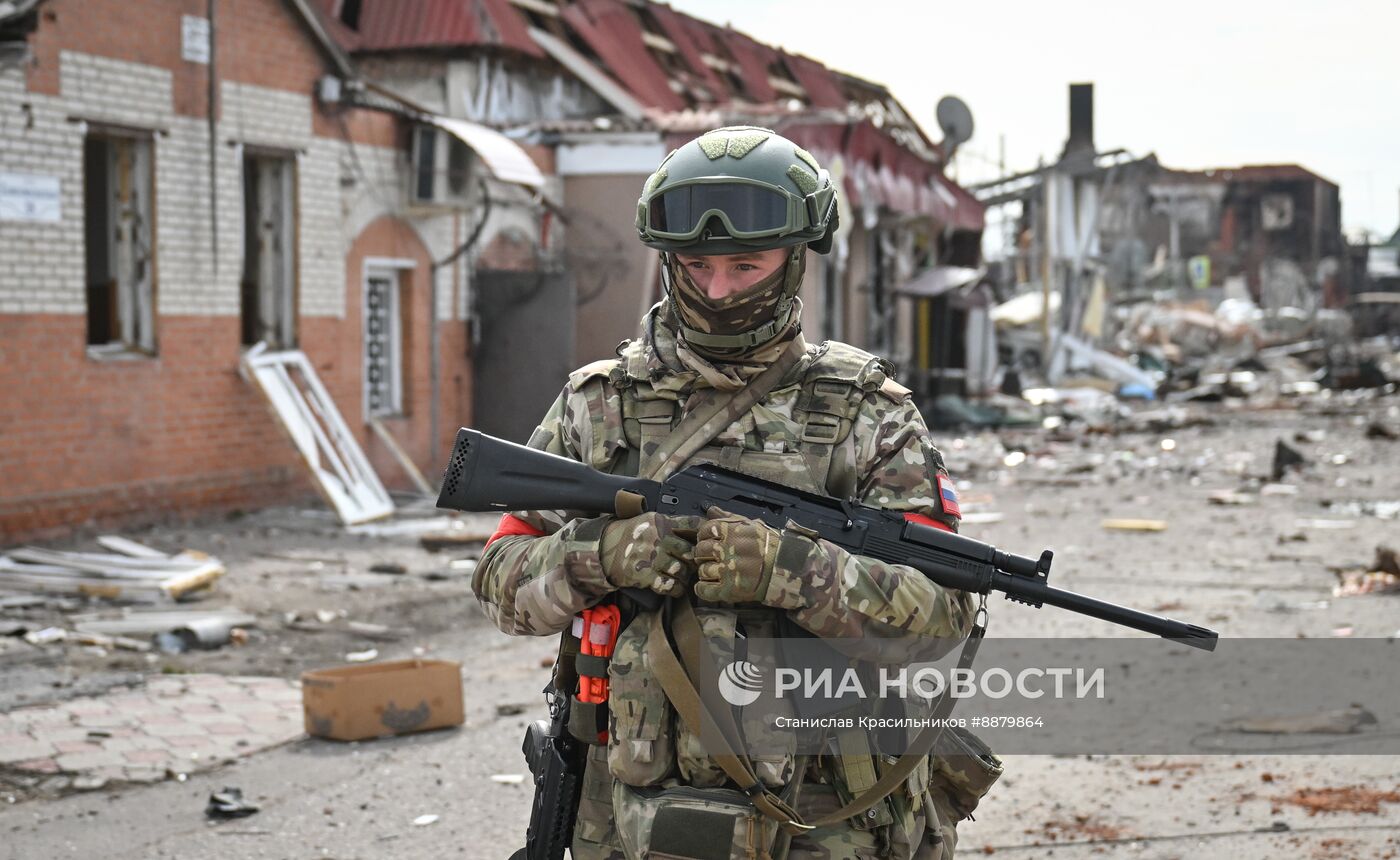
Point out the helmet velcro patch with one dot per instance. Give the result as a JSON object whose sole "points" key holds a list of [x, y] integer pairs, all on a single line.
{"points": [[713, 145], [807, 157], [655, 180], [802, 179], [741, 145]]}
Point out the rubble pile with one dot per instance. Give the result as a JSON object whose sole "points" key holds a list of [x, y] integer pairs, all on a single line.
{"points": [[1180, 353]]}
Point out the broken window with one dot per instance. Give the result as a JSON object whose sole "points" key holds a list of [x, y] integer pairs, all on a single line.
{"points": [[269, 251], [119, 237], [350, 13], [383, 344]]}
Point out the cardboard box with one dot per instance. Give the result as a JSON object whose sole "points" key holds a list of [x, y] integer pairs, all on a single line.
{"points": [[351, 703]]}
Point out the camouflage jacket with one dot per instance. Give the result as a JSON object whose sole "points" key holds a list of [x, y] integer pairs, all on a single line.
{"points": [[837, 424]]}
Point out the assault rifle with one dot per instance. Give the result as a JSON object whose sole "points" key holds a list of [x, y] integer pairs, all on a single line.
{"points": [[490, 474]]}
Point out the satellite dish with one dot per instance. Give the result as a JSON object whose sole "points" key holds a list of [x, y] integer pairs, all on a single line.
{"points": [[956, 121]]}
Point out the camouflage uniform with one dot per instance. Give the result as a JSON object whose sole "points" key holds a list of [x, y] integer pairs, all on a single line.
{"points": [[837, 424]]}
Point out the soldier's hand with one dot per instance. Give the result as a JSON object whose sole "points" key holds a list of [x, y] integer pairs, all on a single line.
{"points": [[650, 551], [735, 557]]}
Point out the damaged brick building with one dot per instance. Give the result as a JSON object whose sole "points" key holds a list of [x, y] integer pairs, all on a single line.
{"points": [[414, 195]]}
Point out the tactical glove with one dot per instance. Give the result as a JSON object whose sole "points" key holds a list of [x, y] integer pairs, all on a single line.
{"points": [[650, 551], [736, 556]]}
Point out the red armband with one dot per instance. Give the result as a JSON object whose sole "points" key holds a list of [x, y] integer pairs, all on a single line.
{"points": [[513, 525], [924, 520]]}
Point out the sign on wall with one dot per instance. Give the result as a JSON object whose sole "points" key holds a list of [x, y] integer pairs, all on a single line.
{"points": [[26, 197], [194, 39]]}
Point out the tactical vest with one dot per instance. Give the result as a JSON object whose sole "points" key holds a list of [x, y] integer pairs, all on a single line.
{"points": [[798, 435]]}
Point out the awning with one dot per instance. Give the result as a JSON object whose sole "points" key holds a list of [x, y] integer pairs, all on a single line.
{"points": [[505, 158], [939, 280]]}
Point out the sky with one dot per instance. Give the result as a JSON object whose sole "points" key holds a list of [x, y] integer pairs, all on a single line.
{"points": [[1201, 84]]}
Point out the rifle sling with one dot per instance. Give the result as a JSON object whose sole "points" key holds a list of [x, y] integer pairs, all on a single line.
{"points": [[714, 721], [697, 428]]}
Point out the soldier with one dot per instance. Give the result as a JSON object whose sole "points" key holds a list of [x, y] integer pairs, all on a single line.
{"points": [[733, 214]]}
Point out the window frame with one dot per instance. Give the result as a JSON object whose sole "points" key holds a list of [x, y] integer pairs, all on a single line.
{"points": [[119, 348]]}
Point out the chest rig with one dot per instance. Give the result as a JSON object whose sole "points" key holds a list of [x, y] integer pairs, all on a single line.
{"points": [[799, 434]]}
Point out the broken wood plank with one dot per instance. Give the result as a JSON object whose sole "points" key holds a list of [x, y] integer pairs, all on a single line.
{"points": [[114, 565], [125, 546]]}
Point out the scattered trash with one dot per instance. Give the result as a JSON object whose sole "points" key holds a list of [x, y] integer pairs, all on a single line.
{"points": [[1343, 632], [47, 636], [508, 778], [363, 656], [1130, 525], [151, 577], [1230, 498], [147, 622], [392, 567], [511, 709], [377, 632], [425, 820], [1324, 524], [1380, 577], [351, 703], [457, 535], [1285, 457], [229, 803], [1343, 721], [1377, 430], [1381, 510]]}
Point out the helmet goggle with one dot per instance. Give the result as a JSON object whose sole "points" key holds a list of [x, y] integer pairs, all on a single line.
{"points": [[748, 208]]}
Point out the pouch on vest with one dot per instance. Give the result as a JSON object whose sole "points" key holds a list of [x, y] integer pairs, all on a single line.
{"points": [[963, 769], [641, 744], [686, 823]]}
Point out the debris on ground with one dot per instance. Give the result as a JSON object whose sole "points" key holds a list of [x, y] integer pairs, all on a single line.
{"points": [[425, 820], [136, 573], [1079, 828], [1285, 457], [1352, 798], [1132, 525], [1382, 576], [351, 703], [229, 803]]}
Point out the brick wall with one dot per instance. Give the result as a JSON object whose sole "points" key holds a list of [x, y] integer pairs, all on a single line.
{"points": [[106, 442]]}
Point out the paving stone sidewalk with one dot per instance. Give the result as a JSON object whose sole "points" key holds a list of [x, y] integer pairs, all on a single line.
{"points": [[170, 725]]}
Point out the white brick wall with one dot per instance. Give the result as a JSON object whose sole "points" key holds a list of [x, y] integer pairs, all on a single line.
{"points": [[42, 265]]}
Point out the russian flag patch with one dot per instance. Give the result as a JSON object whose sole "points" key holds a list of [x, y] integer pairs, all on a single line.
{"points": [[948, 497]]}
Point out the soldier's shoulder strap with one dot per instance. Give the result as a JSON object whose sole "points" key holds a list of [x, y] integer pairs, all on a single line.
{"points": [[843, 363], [602, 367]]}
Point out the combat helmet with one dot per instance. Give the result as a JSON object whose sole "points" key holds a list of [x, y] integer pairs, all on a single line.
{"points": [[734, 190]]}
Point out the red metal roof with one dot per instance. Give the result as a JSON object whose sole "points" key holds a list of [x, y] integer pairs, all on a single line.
{"points": [[679, 30], [823, 88], [878, 166], [388, 25], [615, 35], [754, 59]]}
